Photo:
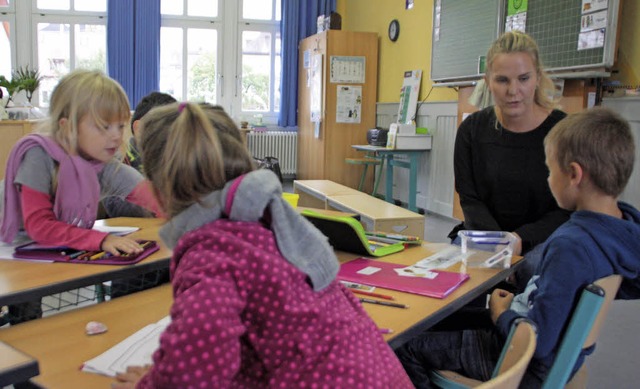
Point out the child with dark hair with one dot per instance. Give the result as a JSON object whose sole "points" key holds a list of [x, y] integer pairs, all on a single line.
{"points": [[152, 100]]}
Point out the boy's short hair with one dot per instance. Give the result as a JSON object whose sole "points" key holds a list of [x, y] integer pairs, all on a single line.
{"points": [[601, 142], [152, 100]]}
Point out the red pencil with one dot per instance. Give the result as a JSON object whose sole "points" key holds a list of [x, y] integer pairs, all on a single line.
{"points": [[378, 295]]}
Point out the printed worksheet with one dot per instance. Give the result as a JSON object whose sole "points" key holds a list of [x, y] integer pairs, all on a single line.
{"points": [[136, 350]]}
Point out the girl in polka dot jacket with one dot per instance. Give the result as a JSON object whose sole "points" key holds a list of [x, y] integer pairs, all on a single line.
{"points": [[256, 302]]}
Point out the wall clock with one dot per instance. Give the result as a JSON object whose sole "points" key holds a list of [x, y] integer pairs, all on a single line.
{"points": [[394, 30]]}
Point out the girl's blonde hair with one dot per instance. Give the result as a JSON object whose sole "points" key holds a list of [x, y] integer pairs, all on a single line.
{"points": [[83, 92], [519, 42], [190, 150]]}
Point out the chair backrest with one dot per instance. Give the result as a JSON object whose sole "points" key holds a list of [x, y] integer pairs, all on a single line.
{"points": [[516, 354], [583, 329]]}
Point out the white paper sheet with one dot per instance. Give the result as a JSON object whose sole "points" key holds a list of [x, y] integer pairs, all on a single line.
{"points": [[116, 230], [136, 350]]}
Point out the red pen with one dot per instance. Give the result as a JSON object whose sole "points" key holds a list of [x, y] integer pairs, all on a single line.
{"points": [[378, 295]]}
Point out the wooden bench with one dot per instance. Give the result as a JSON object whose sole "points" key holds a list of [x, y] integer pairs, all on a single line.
{"points": [[375, 214]]}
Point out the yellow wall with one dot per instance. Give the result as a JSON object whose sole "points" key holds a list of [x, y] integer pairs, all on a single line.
{"points": [[628, 64], [413, 48]]}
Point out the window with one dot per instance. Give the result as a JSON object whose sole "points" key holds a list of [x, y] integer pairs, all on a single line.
{"points": [[7, 31], [69, 34], [225, 52]]}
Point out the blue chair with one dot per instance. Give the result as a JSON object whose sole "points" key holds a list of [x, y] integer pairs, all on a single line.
{"points": [[582, 332], [514, 359]]}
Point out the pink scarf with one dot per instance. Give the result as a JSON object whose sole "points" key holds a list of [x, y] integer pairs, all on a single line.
{"points": [[77, 194]]}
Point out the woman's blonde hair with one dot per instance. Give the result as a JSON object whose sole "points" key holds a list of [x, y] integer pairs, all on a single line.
{"points": [[83, 92], [520, 42], [190, 150]]}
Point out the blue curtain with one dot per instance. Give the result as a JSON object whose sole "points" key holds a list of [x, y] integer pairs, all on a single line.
{"points": [[133, 46], [299, 20]]}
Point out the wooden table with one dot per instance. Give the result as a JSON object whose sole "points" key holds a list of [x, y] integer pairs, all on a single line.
{"points": [[388, 155], [22, 281], [425, 312], [15, 366], [47, 338], [60, 344]]}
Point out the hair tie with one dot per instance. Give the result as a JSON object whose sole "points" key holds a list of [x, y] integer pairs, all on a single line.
{"points": [[181, 106]]}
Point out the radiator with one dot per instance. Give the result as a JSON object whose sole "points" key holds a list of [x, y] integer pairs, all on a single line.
{"points": [[280, 144]]}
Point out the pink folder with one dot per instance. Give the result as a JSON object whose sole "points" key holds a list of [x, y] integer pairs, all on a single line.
{"points": [[362, 270]]}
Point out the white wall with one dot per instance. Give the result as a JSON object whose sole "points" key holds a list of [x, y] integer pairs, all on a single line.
{"points": [[629, 108], [435, 173]]}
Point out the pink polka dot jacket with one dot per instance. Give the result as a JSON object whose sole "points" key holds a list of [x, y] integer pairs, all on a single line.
{"points": [[245, 317]]}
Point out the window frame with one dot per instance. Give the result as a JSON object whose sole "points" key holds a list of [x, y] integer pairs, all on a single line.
{"points": [[7, 16], [195, 23], [271, 116], [230, 26]]}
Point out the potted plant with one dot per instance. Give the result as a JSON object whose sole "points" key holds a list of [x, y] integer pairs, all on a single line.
{"points": [[28, 79], [12, 88]]}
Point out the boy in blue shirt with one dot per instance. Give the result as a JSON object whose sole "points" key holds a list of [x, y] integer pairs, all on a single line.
{"points": [[590, 156]]}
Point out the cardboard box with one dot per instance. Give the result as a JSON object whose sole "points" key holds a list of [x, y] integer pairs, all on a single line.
{"points": [[413, 142]]}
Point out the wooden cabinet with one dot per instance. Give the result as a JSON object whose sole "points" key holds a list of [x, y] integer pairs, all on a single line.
{"points": [[322, 151], [11, 131]]}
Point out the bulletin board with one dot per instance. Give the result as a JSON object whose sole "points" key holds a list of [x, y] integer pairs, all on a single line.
{"points": [[464, 30]]}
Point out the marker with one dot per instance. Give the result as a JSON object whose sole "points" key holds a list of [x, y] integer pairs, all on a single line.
{"points": [[394, 236], [77, 254], [385, 330], [385, 303]]}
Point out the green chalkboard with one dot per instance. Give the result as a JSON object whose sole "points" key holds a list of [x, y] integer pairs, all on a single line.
{"points": [[464, 30], [555, 25]]}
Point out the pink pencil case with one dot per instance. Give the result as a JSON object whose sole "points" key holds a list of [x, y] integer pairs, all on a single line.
{"points": [[38, 251]]}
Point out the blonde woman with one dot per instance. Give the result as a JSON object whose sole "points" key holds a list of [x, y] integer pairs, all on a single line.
{"points": [[499, 166]]}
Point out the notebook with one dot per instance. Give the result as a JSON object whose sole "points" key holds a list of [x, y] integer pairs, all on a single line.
{"points": [[38, 251], [347, 234], [439, 284]]}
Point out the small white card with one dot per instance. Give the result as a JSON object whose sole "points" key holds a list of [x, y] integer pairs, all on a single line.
{"points": [[369, 270]]}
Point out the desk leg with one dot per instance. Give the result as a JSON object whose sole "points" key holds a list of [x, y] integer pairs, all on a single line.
{"points": [[389, 180], [413, 181]]}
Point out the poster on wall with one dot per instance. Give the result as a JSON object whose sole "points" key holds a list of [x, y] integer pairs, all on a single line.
{"points": [[593, 24], [347, 69], [409, 96], [348, 104], [516, 15], [315, 92]]}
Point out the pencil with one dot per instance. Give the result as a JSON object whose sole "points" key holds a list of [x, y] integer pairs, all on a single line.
{"points": [[371, 294], [385, 303], [97, 256]]}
